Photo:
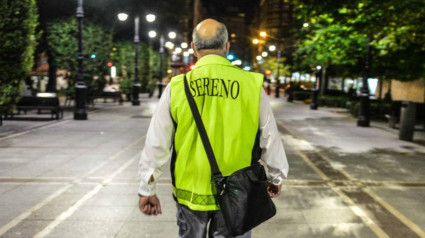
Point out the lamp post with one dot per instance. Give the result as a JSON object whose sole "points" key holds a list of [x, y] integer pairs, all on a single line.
{"points": [[80, 87], [315, 92], [364, 115], [161, 64], [136, 83], [277, 73]]}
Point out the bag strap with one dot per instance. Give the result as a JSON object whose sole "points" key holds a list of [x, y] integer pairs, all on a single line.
{"points": [[202, 132]]}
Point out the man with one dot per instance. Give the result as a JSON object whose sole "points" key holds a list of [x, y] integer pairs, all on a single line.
{"points": [[233, 107]]}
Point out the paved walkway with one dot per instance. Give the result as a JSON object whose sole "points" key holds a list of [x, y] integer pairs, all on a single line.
{"points": [[79, 178]]}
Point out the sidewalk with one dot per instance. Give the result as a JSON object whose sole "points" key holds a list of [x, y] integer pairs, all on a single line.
{"points": [[79, 178]]}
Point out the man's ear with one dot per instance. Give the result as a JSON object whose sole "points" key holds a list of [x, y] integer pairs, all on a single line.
{"points": [[227, 47], [192, 45]]}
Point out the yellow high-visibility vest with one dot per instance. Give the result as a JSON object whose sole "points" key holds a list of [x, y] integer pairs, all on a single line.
{"points": [[228, 99]]}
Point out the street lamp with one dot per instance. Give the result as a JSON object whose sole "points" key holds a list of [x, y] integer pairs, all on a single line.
{"points": [[122, 16], [152, 34], [272, 48], [364, 114], [264, 54], [136, 83], [263, 34], [255, 41], [172, 35], [150, 17], [80, 88], [316, 87]]}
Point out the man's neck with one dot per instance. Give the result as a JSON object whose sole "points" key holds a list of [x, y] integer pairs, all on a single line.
{"points": [[203, 53]]}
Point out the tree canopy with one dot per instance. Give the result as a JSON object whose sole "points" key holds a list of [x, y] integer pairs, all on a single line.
{"points": [[338, 33]]}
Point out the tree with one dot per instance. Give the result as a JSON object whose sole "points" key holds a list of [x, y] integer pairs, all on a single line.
{"points": [[18, 21], [338, 33], [97, 46]]}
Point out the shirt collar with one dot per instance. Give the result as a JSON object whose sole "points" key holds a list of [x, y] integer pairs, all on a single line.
{"points": [[212, 59]]}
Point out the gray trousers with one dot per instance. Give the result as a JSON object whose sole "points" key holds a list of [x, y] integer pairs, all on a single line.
{"points": [[195, 224]]}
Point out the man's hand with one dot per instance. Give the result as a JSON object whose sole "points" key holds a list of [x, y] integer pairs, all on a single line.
{"points": [[150, 205], [273, 190]]}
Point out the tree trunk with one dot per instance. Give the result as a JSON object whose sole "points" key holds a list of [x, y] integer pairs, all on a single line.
{"points": [[51, 85]]}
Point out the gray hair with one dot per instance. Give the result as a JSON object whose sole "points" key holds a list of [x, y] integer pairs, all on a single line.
{"points": [[218, 41]]}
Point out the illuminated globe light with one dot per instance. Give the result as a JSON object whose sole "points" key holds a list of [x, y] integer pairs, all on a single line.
{"points": [[255, 41], [246, 68], [272, 48], [152, 34], [150, 17], [172, 35], [267, 72], [109, 64], [230, 57], [184, 45], [305, 24], [264, 54], [259, 57], [186, 54], [169, 45], [93, 56], [318, 67], [178, 50], [122, 16], [263, 34], [190, 51], [237, 62]]}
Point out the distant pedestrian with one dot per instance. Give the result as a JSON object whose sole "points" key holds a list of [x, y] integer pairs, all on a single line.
{"points": [[233, 107]]}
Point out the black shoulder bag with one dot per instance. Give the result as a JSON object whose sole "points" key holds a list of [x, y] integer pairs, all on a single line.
{"points": [[242, 196]]}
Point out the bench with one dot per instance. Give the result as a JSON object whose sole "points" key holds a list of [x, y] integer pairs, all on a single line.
{"points": [[111, 95], [41, 102]]}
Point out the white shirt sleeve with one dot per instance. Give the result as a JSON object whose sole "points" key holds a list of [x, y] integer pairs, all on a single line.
{"points": [[273, 153], [157, 151]]}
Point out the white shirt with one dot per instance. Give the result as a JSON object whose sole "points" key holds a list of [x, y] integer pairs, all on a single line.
{"points": [[157, 151]]}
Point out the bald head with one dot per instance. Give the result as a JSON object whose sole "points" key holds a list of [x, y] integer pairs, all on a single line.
{"points": [[210, 35]]}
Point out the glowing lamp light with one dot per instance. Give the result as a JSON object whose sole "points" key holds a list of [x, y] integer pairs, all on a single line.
{"points": [[264, 54], [150, 17], [305, 24], [186, 54], [190, 51], [272, 48], [169, 45], [230, 57], [259, 57], [109, 64], [152, 34], [192, 67], [246, 68], [172, 35], [184, 45], [255, 41], [122, 16], [263, 34], [268, 72], [93, 56], [178, 50]]}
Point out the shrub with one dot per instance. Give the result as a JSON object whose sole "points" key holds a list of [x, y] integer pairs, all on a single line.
{"points": [[18, 22]]}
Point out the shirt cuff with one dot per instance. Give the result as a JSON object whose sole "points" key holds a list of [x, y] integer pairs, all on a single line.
{"points": [[146, 188]]}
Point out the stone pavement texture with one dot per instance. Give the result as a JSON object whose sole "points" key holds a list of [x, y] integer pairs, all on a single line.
{"points": [[79, 178]]}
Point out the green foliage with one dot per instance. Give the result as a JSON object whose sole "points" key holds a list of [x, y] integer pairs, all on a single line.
{"points": [[338, 33], [18, 22], [63, 44], [126, 85], [333, 101]]}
